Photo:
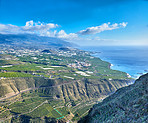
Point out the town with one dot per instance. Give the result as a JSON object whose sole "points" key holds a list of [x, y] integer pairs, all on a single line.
{"points": [[69, 63]]}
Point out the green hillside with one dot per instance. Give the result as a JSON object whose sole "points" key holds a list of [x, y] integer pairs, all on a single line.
{"points": [[36, 86], [21, 95]]}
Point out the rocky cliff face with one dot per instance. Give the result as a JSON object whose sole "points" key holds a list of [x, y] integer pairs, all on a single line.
{"points": [[128, 104], [36, 98], [65, 89]]}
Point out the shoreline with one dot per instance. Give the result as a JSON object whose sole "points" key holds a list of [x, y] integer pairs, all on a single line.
{"points": [[134, 72], [112, 65]]}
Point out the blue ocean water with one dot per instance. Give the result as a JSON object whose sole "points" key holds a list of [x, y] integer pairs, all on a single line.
{"points": [[130, 59]]}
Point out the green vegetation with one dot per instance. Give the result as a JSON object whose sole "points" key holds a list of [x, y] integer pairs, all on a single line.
{"points": [[43, 65], [15, 74], [9, 62], [37, 86], [5, 114], [23, 67], [44, 110], [64, 111]]}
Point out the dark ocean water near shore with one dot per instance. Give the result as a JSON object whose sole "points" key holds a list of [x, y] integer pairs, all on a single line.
{"points": [[130, 59]]}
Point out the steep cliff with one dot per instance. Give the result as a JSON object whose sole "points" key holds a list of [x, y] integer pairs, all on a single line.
{"points": [[128, 104], [64, 89], [39, 98]]}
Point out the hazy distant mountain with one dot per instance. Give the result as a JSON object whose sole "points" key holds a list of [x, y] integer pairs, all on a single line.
{"points": [[33, 41]]}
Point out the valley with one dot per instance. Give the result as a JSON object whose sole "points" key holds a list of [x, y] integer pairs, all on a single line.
{"points": [[39, 85], [73, 61]]}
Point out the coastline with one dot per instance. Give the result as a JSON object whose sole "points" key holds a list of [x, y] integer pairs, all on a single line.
{"points": [[122, 58], [128, 75], [112, 65]]}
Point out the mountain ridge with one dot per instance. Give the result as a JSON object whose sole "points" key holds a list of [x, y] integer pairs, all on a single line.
{"points": [[127, 104], [33, 40], [13, 86]]}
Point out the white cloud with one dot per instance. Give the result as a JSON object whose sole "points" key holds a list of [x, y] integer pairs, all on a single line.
{"points": [[29, 23], [103, 27], [49, 29], [48, 33], [9, 29], [64, 35], [33, 26], [42, 29], [124, 24], [30, 27]]}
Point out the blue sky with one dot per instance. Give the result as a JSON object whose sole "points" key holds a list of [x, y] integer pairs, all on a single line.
{"points": [[85, 22]]}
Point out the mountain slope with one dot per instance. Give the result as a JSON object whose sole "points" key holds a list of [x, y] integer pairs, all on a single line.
{"points": [[128, 104], [16, 94], [32, 40], [67, 90]]}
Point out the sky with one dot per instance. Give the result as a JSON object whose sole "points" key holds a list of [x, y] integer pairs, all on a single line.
{"points": [[84, 22]]}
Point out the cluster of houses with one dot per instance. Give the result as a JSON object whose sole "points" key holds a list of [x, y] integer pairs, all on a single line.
{"points": [[78, 64], [18, 51]]}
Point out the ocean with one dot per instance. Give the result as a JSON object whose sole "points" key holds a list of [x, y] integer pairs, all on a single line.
{"points": [[130, 59]]}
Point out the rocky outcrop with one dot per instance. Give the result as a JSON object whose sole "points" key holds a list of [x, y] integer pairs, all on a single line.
{"points": [[58, 88], [126, 105]]}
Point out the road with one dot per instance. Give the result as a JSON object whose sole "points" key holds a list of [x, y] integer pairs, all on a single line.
{"points": [[4, 119], [29, 89]]}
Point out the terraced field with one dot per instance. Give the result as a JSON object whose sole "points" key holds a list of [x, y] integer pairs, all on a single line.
{"points": [[43, 87], [40, 106]]}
